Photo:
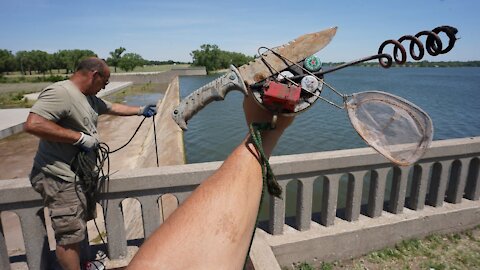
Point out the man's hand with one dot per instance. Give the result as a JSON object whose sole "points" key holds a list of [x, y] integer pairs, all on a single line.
{"points": [[87, 142], [148, 110]]}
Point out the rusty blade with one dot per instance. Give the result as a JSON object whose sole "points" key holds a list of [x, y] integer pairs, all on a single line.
{"points": [[296, 50]]}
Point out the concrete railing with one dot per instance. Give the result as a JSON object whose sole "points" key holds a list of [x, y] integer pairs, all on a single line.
{"points": [[447, 174]]}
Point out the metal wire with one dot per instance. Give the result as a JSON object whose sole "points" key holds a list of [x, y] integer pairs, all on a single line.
{"points": [[343, 96]]}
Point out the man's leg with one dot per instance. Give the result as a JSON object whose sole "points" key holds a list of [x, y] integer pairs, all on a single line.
{"points": [[69, 256], [66, 208]]}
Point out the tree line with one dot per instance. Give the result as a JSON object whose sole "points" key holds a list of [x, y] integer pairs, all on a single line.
{"points": [[213, 58], [42, 62]]}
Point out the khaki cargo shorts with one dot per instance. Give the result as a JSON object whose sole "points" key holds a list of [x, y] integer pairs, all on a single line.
{"points": [[66, 206]]}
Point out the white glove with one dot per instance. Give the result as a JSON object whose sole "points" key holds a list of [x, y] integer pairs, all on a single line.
{"points": [[87, 142]]}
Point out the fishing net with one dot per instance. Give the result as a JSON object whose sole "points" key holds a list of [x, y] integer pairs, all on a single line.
{"points": [[395, 127]]}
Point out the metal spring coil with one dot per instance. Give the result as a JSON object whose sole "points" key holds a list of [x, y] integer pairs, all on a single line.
{"points": [[433, 44]]}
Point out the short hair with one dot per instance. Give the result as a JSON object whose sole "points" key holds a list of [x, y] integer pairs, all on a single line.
{"points": [[92, 63]]}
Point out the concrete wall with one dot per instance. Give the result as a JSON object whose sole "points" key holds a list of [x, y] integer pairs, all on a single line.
{"points": [[444, 196], [156, 77], [169, 137]]}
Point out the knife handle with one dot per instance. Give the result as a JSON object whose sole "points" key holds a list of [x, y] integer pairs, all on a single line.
{"points": [[215, 90]]}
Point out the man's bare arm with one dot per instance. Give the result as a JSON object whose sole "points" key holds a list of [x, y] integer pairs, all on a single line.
{"points": [[49, 130], [213, 227], [123, 110]]}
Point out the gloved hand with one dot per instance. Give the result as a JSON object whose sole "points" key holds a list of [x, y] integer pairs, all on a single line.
{"points": [[87, 142], [148, 110]]}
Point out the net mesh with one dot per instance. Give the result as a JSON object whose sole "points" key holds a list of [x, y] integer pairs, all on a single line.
{"points": [[395, 127]]}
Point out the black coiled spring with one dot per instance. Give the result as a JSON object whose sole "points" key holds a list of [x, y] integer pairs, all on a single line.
{"points": [[433, 44]]}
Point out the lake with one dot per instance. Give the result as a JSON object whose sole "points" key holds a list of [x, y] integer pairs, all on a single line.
{"points": [[449, 95]]}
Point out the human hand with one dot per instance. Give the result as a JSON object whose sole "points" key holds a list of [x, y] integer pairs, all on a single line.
{"points": [[148, 110], [87, 142], [256, 114]]}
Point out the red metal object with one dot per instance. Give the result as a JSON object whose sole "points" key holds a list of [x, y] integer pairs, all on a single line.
{"points": [[279, 96]]}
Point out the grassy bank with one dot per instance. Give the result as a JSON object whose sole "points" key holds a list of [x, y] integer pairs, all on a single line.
{"points": [[436, 252]]}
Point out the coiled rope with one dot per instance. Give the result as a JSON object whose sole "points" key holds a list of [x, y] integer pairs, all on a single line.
{"points": [[92, 175]]}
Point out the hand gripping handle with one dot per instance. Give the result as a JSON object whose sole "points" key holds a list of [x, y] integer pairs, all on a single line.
{"points": [[215, 90]]}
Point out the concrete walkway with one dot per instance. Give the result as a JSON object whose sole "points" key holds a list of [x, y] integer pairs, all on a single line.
{"points": [[12, 120]]}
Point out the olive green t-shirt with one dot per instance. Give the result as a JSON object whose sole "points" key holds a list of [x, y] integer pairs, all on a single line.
{"points": [[64, 104]]}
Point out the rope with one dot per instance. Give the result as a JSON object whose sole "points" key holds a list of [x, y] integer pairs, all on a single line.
{"points": [[267, 174], [92, 175], [268, 177]]}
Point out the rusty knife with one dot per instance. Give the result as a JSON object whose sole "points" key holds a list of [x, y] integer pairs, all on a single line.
{"points": [[255, 71]]}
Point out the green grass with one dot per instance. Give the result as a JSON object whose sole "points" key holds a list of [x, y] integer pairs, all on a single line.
{"points": [[435, 252], [14, 100]]}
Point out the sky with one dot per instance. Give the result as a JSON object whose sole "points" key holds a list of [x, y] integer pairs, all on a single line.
{"points": [[170, 30]]}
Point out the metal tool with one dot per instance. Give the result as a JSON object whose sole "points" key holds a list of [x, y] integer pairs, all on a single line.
{"points": [[240, 79], [285, 82]]}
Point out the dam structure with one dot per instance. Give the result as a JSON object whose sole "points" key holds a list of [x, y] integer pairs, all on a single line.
{"points": [[383, 203]]}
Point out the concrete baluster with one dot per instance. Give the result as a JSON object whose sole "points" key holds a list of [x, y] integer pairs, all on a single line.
{"points": [[419, 186], [458, 181], [438, 183], [277, 211], [304, 203], [354, 195], [182, 196], [330, 197], [378, 180], [150, 214], [35, 236], [116, 235], [472, 191], [4, 261], [399, 189]]}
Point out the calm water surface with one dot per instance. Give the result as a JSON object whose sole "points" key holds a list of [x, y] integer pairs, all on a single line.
{"points": [[449, 95]]}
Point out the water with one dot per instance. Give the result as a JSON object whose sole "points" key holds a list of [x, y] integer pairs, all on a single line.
{"points": [[449, 95]]}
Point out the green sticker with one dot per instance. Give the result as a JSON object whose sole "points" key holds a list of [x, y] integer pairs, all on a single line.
{"points": [[312, 63]]}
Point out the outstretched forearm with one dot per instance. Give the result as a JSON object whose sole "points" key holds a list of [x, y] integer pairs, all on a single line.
{"points": [[123, 110], [212, 229]]}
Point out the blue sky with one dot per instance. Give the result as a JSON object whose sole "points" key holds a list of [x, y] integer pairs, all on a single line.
{"points": [[163, 30]]}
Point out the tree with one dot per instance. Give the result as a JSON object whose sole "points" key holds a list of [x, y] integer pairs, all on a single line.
{"points": [[208, 56], [41, 61], [71, 58], [212, 58], [25, 61], [115, 57], [58, 61], [7, 61], [130, 60]]}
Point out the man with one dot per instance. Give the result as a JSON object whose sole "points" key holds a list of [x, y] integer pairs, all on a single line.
{"points": [[213, 227], [65, 118]]}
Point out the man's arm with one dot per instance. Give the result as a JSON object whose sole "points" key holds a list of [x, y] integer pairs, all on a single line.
{"points": [[123, 110], [213, 227], [49, 130]]}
